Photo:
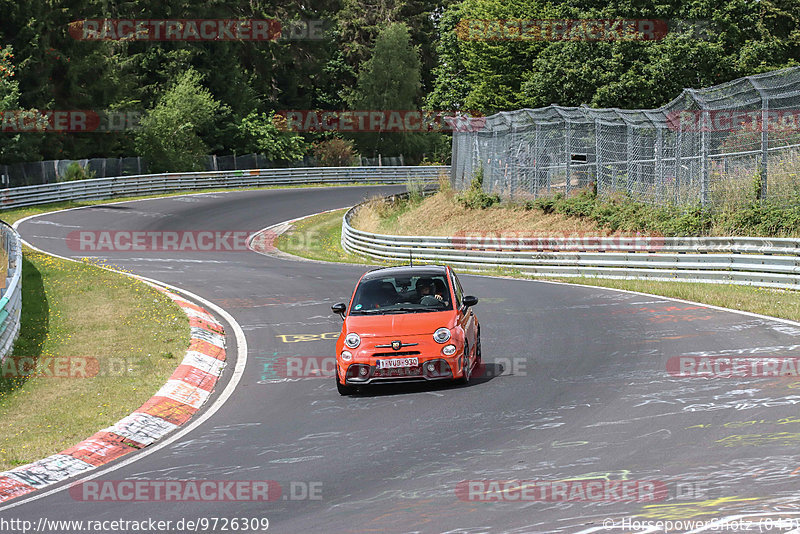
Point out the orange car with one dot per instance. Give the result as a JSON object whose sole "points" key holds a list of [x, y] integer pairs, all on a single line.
{"points": [[407, 324]]}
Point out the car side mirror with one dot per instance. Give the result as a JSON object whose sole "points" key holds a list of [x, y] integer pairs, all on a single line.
{"points": [[339, 308], [469, 301]]}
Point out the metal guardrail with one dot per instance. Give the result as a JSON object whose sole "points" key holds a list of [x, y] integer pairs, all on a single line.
{"points": [[11, 299], [151, 184], [768, 262]]}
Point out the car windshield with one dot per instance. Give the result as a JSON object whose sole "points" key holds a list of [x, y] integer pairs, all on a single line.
{"points": [[398, 294]]}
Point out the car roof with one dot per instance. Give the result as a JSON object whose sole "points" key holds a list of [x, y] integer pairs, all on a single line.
{"points": [[406, 270]]}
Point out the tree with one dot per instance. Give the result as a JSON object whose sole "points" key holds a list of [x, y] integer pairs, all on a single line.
{"points": [[14, 146], [361, 21], [704, 46], [388, 81], [170, 136], [390, 78]]}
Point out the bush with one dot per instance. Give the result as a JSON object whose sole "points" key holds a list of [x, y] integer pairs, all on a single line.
{"points": [[335, 153], [269, 135], [414, 189], [475, 197], [622, 213], [76, 172]]}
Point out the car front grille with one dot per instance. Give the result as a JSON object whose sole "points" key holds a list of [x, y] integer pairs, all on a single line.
{"points": [[398, 354]]}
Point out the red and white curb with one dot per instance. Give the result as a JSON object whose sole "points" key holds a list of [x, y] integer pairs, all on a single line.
{"points": [[175, 403]]}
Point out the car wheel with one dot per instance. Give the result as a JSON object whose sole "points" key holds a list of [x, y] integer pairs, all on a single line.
{"points": [[478, 355], [343, 389], [465, 368]]}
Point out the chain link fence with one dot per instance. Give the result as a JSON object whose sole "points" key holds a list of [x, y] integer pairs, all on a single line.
{"points": [[718, 145]]}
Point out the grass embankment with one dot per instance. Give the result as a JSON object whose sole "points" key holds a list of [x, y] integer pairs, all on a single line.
{"points": [[447, 213], [442, 215], [580, 214], [102, 343], [318, 238]]}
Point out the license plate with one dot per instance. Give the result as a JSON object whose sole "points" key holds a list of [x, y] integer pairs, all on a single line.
{"points": [[394, 363]]}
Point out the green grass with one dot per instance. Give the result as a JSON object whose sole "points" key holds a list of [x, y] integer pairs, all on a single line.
{"points": [[136, 336], [318, 238]]}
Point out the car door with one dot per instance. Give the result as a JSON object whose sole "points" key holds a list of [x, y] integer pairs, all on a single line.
{"points": [[466, 317]]}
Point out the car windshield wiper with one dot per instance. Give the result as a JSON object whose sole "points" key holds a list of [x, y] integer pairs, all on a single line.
{"points": [[406, 310], [382, 311]]}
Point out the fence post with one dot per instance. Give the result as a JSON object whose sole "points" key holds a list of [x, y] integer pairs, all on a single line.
{"points": [[568, 153], [598, 158], [764, 143], [704, 159], [628, 157], [537, 159], [454, 159], [659, 160], [490, 164]]}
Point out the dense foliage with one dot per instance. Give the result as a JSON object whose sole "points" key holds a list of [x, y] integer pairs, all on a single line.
{"points": [[218, 97]]}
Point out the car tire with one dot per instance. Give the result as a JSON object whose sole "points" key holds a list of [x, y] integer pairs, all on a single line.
{"points": [[343, 389], [466, 368], [478, 355]]}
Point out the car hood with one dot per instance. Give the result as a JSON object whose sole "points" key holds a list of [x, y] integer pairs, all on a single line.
{"points": [[399, 324]]}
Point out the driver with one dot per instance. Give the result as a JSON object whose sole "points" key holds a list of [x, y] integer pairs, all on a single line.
{"points": [[427, 293]]}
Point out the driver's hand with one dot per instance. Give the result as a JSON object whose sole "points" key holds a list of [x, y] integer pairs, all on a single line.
{"points": [[438, 297]]}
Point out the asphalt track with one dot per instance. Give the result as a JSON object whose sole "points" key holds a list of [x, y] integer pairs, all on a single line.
{"points": [[575, 386]]}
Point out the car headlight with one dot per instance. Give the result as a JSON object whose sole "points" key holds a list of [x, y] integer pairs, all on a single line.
{"points": [[347, 355], [442, 335], [449, 350], [352, 340]]}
